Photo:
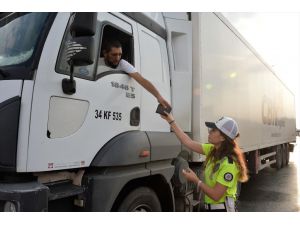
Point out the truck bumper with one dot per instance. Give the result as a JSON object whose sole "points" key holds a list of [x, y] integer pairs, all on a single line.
{"points": [[24, 197]]}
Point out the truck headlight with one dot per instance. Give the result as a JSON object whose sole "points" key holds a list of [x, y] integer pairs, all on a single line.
{"points": [[10, 207]]}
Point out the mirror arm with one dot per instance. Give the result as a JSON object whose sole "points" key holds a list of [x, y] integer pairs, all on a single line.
{"points": [[69, 85]]}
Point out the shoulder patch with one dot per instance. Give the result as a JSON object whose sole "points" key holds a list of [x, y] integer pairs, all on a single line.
{"points": [[228, 176]]}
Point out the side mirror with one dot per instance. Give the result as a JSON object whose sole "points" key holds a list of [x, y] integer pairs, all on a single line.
{"points": [[80, 49], [84, 24], [80, 52]]}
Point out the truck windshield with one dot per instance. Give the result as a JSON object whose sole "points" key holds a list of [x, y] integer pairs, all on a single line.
{"points": [[20, 34]]}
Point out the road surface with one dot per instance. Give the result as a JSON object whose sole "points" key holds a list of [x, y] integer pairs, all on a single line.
{"points": [[272, 190]]}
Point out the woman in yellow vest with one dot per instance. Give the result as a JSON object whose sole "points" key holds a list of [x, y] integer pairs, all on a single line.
{"points": [[224, 166]]}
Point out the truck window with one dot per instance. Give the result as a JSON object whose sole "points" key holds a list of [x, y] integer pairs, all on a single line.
{"points": [[110, 32], [84, 72]]}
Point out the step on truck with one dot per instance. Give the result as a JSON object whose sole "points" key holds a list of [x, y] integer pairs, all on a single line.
{"points": [[73, 139]]}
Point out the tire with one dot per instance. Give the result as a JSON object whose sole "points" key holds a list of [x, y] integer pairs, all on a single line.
{"points": [[142, 199], [253, 159], [287, 154], [278, 157], [284, 155]]}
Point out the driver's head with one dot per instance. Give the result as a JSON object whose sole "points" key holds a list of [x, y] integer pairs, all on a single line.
{"points": [[112, 53]]}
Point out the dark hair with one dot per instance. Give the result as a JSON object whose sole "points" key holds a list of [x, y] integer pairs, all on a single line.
{"points": [[230, 149], [109, 44]]}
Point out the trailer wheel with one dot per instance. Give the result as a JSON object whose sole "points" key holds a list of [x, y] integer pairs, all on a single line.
{"points": [[278, 157], [142, 199], [287, 154], [284, 155]]}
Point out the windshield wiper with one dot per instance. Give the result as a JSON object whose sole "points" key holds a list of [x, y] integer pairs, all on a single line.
{"points": [[3, 74]]}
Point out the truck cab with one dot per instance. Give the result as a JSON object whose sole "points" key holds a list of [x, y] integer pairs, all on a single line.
{"points": [[102, 139]]}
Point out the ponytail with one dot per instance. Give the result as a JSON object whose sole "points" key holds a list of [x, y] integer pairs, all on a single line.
{"points": [[240, 159]]}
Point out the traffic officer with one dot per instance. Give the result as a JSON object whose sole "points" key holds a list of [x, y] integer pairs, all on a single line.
{"points": [[225, 165]]}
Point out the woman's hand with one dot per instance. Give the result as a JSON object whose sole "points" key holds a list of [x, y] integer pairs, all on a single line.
{"points": [[190, 175], [164, 102], [168, 117]]}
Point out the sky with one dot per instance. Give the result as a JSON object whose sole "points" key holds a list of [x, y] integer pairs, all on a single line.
{"points": [[272, 27], [276, 37]]}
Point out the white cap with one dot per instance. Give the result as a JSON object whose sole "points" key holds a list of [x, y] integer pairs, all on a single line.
{"points": [[227, 125]]}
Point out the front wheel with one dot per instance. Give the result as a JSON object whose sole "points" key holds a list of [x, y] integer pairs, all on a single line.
{"points": [[142, 199]]}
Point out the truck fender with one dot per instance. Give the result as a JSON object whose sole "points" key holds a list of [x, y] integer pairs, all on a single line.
{"points": [[124, 149]]}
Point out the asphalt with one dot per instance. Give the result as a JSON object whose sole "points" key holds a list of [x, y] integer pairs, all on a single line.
{"points": [[274, 190]]}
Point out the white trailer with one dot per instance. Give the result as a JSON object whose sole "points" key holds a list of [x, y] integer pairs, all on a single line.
{"points": [[93, 142], [234, 80]]}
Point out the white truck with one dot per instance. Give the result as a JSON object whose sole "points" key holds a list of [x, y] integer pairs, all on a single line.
{"points": [[75, 140]]}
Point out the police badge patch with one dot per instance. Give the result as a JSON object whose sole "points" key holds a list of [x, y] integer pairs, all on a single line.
{"points": [[228, 176]]}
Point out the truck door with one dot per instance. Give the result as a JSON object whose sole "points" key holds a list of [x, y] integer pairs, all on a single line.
{"points": [[180, 57], [67, 131], [155, 68]]}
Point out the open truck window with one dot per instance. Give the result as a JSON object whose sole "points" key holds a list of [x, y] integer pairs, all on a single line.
{"points": [[110, 32]]}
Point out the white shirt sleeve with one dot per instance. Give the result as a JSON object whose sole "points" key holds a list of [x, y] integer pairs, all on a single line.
{"points": [[126, 67]]}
